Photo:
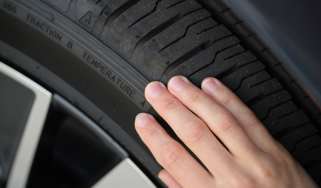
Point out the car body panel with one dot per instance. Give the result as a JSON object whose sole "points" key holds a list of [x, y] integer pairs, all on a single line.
{"points": [[291, 29]]}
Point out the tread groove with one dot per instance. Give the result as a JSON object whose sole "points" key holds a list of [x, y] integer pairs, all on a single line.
{"points": [[274, 107], [120, 11], [286, 114], [156, 31], [258, 98], [185, 33], [261, 82], [163, 27], [302, 140], [246, 77], [207, 29], [235, 68], [145, 15], [288, 130], [234, 55], [199, 48], [216, 54], [175, 4]]}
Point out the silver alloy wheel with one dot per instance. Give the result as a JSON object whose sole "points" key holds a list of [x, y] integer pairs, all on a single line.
{"points": [[125, 173]]}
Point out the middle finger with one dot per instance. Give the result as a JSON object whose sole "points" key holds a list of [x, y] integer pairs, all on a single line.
{"points": [[219, 119]]}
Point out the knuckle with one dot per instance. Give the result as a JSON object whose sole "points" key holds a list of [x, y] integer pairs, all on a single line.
{"points": [[170, 104], [194, 97], [265, 172], [171, 153], [266, 169], [226, 99], [283, 157], [243, 182], [225, 124], [195, 132]]}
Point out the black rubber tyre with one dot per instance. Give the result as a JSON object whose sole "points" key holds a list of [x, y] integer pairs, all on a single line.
{"points": [[100, 54]]}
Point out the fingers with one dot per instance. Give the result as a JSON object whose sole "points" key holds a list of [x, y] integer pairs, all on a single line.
{"points": [[170, 154], [168, 179], [251, 125], [221, 121], [189, 128], [213, 123]]}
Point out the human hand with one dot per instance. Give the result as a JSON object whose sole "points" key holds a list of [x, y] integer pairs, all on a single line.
{"points": [[222, 132]]}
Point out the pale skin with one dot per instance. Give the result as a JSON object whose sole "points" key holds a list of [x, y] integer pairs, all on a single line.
{"points": [[233, 145]]}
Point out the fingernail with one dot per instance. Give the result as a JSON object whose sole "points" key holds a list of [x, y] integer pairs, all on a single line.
{"points": [[210, 84], [178, 83], [155, 89], [142, 120]]}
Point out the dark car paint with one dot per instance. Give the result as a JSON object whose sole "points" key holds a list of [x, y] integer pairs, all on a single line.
{"points": [[292, 30]]}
